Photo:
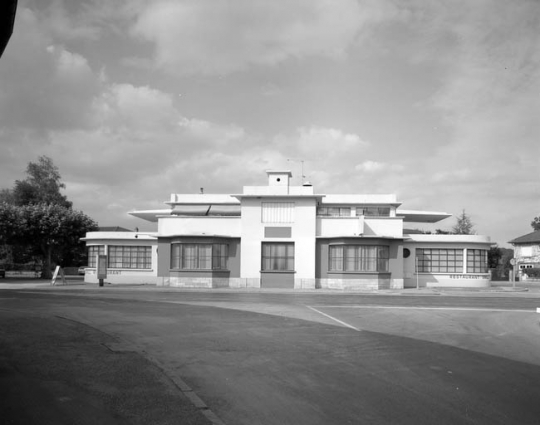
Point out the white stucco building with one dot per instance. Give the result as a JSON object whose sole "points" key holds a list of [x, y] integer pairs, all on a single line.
{"points": [[526, 254], [284, 236]]}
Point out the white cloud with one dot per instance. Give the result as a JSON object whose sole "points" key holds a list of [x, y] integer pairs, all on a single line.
{"points": [[216, 37], [317, 142], [370, 166], [212, 133], [44, 85]]}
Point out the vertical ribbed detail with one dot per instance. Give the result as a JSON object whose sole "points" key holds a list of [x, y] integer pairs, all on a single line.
{"points": [[278, 212]]}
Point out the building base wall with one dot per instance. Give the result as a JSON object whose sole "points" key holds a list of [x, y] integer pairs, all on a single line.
{"points": [[194, 282], [122, 277], [243, 282], [366, 283], [449, 281]]}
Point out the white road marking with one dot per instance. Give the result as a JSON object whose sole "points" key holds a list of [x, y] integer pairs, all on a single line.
{"points": [[427, 308], [333, 318]]}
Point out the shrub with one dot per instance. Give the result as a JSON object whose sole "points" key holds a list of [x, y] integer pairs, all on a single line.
{"points": [[532, 273]]}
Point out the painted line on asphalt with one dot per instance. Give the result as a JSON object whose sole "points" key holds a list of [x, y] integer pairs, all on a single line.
{"points": [[333, 318], [427, 308]]}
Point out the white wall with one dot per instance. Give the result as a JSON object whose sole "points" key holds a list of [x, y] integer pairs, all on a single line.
{"points": [[390, 226], [340, 226], [302, 234], [196, 226]]}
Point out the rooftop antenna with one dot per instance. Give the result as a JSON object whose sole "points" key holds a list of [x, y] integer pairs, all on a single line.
{"points": [[301, 161]]}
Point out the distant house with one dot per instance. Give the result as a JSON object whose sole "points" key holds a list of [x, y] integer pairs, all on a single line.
{"points": [[284, 236], [527, 252]]}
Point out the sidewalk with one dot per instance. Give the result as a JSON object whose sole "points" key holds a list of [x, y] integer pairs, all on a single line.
{"points": [[77, 283]]}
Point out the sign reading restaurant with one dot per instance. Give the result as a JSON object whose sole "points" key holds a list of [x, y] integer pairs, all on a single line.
{"points": [[469, 276]]}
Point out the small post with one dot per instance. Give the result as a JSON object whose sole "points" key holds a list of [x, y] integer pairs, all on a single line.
{"points": [[417, 277], [514, 272], [101, 262]]}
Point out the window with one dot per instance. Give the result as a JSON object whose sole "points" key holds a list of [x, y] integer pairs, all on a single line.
{"points": [[277, 212], [93, 251], [277, 256], [334, 211], [439, 260], [192, 256], [477, 261], [359, 258], [373, 211], [130, 257]]}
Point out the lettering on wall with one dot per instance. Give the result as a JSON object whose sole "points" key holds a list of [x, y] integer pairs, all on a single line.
{"points": [[469, 276]]}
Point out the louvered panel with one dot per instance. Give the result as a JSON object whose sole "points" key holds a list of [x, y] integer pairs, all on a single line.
{"points": [[278, 212]]}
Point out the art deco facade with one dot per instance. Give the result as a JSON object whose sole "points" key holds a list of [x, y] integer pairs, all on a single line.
{"points": [[284, 236]]}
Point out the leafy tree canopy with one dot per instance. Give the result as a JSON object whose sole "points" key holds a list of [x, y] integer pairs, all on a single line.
{"points": [[535, 224], [41, 186], [464, 225], [51, 229]]}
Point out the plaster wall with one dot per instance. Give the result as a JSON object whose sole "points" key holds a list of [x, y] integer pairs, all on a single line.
{"points": [[339, 226], [387, 226], [302, 234], [199, 226]]}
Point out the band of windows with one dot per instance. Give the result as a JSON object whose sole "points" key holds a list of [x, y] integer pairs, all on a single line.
{"points": [[347, 211], [435, 260], [439, 260], [358, 258], [277, 256], [199, 256], [130, 257]]}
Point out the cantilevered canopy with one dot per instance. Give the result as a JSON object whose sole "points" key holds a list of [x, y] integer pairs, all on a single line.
{"points": [[411, 216], [200, 210], [207, 210], [150, 215]]}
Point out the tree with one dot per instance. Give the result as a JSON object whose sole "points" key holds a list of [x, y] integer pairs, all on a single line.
{"points": [[494, 257], [6, 196], [535, 224], [464, 225], [41, 186], [51, 230], [499, 262]]}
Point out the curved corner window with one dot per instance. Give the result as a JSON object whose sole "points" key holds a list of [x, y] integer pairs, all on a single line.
{"points": [[477, 261], [93, 252], [359, 258], [193, 256]]}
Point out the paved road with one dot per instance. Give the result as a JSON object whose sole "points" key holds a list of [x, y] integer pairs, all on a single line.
{"points": [[272, 358]]}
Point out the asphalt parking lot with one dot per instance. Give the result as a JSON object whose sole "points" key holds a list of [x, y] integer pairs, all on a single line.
{"points": [[143, 355]]}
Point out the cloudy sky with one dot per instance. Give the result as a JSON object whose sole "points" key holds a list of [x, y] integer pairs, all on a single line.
{"points": [[436, 101]]}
